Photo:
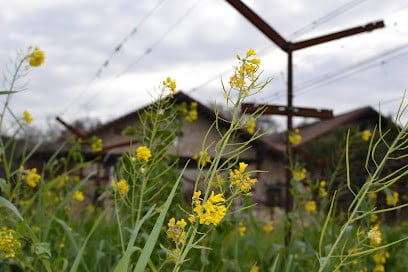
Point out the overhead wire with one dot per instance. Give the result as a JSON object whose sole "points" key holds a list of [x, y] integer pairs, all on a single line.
{"points": [[147, 51], [116, 50], [296, 34]]}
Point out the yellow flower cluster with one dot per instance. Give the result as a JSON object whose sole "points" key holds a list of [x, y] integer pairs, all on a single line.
{"points": [[250, 125], [171, 84], [366, 135], [268, 227], [8, 242], [27, 117], [176, 231], [322, 188], [392, 201], [211, 211], [32, 178], [247, 70], [143, 153], [35, 56], [300, 174], [254, 268], [381, 257], [96, 144], [79, 196], [294, 137], [310, 206], [121, 186], [192, 113], [241, 179], [202, 158], [242, 229], [375, 236]]}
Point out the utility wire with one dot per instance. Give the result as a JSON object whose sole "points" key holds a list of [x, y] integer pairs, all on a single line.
{"points": [[114, 52], [141, 56], [296, 34], [345, 71]]}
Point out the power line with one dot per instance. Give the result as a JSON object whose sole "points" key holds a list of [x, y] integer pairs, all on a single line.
{"points": [[345, 71], [141, 56], [296, 34], [128, 36], [115, 51]]}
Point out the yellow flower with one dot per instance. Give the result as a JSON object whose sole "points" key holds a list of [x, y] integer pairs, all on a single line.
{"points": [[219, 181], [202, 158], [310, 206], [211, 211], [375, 236], [27, 117], [300, 175], [171, 84], [250, 125], [143, 153], [392, 201], [322, 189], [254, 268], [373, 218], [192, 114], [294, 137], [242, 229], [121, 186], [96, 144], [267, 228], [32, 178], [241, 179], [176, 231], [36, 57], [78, 196], [8, 242], [381, 257], [366, 135], [251, 52], [379, 268]]}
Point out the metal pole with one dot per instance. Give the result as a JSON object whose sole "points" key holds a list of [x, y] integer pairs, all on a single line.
{"points": [[288, 206]]}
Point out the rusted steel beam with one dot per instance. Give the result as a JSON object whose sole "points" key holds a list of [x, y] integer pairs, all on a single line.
{"points": [[257, 21], [71, 128], [122, 144], [338, 35], [284, 110]]}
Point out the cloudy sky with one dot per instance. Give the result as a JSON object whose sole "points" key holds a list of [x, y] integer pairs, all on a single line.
{"points": [[195, 41]]}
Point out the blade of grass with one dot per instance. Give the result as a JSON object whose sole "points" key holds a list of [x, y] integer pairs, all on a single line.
{"points": [[123, 264], [152, 239]]}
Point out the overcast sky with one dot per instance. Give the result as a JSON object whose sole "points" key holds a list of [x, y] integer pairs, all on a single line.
{"points": [[195, 42]]}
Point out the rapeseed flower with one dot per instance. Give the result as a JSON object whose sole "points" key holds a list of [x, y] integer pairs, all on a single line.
{"points": [[379, 268], [202, 158], [192, 114], [79, 196], [241, 179], [381, 257], [212, 211], [267, 228], [310, 206], [294, 137], [32, 178], [36, 57], [242, 229], [322, 188], [366, 135], [96, 144], [8, 242], [27, 117], [254, 268], [247, 70], [300, 174], [176, 231], [171, 84], [250, 125], [392, 201], [375, 236], [143, 153], [121, 186]]}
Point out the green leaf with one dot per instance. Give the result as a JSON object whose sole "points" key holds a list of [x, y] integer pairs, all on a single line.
{"points": [[4, 202], [78, 258], [154, 234], [4, 186], [42, 250], [123, 264]]}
